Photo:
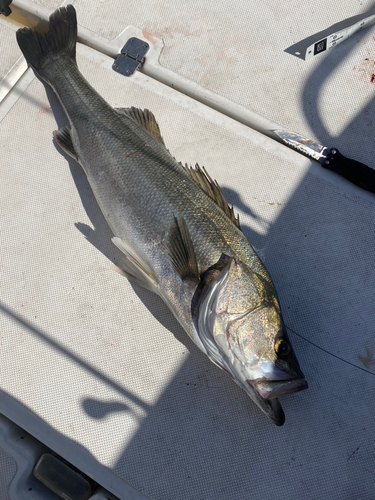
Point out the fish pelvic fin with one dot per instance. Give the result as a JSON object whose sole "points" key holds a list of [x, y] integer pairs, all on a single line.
{"points": [[181, 251], [145, 119], [132, 273], [134, 268], [201, 177], [61, 37]]}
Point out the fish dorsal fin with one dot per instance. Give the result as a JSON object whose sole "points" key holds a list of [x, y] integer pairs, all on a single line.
{"points": [[141, 272], [145, 118], [64, 140], [201, 177], [181, 251]]}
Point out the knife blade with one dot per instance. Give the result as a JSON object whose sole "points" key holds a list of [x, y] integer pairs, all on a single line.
{"points": [[330, 158]]}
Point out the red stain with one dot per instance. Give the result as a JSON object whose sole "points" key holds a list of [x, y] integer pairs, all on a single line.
{"points": [[366, 70], [45, 110], [228, 335], [172, 30], [131, 154], [148, 36]]}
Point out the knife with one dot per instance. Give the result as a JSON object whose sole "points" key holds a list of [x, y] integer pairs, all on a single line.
{"points": [[331, 159]]}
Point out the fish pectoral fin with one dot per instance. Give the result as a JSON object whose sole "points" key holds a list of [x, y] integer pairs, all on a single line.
{"points": [[134, 269], [181, 251], [64, 140], [145, 118], [201, 177]]}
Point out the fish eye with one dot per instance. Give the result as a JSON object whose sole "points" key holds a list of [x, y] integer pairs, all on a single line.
{"points": [[282, 347]]}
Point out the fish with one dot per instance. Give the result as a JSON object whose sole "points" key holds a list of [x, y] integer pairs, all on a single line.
{"points": [[180, 237]]}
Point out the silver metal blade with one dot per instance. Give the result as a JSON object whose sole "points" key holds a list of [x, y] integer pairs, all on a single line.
{"points": [[306, 146]]}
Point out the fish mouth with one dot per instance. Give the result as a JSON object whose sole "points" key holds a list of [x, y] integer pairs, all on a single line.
{"points": [[273, 389]]}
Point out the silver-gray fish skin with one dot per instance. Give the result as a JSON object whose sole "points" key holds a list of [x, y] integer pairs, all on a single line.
{"points": [[149, 199]]}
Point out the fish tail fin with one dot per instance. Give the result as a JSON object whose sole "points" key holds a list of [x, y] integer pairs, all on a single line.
{"points": [[61, 37]]}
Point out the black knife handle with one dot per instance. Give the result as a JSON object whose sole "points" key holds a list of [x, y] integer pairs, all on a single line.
{"points": [[355, 171]]}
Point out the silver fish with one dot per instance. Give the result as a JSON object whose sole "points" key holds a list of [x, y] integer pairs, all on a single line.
{"points": [[181, 239]]}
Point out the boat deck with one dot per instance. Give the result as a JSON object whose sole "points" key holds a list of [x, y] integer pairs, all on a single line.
{"points": [[98, 370]]}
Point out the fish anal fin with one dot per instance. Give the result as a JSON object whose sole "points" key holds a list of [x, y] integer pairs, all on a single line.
{"points": [[64, 140], [146, 119], [201, 177], [133, 267], [181, 251]]}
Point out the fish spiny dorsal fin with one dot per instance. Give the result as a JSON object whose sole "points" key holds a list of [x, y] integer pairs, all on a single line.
{"points": [[146, 119], [201, 177], [181, 251]]}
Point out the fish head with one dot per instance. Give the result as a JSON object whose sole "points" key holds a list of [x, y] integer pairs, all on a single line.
{"points": [[240, 324]]}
